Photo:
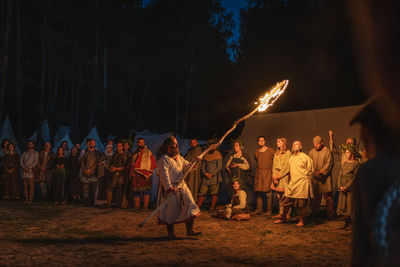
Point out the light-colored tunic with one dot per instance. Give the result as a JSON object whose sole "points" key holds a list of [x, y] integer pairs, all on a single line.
{"points": [[263, 173], [346, 177], [241, 197], [29, 160], [182, 206], [322, 162], [237, 205], [301, 170], [281, 167]]}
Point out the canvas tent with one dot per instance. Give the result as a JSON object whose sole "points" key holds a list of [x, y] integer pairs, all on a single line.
{"points": [[45, 131], [94, 134], [303, 126], [6, 132], [153, 140], [33, 137], [184, 144], [60, 133], [64, 138]]}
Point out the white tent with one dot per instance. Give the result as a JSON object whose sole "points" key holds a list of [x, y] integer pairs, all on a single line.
{"points": [[60, 133], [6, 132], [64, 138], [303, 126], [94, 134]]}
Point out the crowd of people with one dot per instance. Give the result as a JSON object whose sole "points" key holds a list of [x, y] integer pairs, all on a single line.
{"points": [[293, 178], [123, 178]]}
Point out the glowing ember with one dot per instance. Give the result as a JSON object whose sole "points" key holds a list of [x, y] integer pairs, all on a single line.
{"points": [[271, 96]]}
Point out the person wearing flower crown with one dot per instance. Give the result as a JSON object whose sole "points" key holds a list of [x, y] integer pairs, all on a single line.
{"points": [[238, 164], [236, 209]]}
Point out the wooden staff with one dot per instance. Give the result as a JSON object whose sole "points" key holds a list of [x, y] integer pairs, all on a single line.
{"points": [[265, 102]]}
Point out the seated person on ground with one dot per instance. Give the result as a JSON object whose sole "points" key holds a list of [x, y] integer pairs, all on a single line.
{"points": [[237, 209]]}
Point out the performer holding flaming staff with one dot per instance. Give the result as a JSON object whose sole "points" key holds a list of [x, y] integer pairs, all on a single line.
{"points": [[173, 169], [182, 208]]}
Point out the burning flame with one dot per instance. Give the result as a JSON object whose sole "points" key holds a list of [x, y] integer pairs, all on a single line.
{"points": [[270, 97]]}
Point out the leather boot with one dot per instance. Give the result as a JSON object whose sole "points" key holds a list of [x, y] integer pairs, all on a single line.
{"points": [[146, 200], [200, 201], [347, 222], [170, 230], [136, 202], [109, 198], [189, 228], [213, 202], [259, 206]]}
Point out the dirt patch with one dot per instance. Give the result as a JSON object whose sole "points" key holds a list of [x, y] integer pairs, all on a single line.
{"points": [[74, 235]]}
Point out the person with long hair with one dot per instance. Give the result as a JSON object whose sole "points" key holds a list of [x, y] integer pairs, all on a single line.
{"points": [[3, 151], [346, 177], [171, 168], [237, 209], [46, 157], [104, 174], [75, 185], [10, 163], [280, 172], [59, 190]]}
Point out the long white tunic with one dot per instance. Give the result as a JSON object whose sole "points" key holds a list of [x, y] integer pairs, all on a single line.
{"points": [[181, 207], [301, 170]]}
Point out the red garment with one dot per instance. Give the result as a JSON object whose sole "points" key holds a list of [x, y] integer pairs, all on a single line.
{"points": [[140, 178]]}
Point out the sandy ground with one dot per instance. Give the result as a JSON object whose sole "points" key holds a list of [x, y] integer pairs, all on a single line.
{"points": [[44, 234]]}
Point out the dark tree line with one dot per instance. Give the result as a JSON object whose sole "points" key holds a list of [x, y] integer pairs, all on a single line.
{"points": [[309, 42], [165, 67]]}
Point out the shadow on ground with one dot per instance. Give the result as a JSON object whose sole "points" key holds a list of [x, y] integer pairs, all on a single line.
{"points": [[115, 240]]}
